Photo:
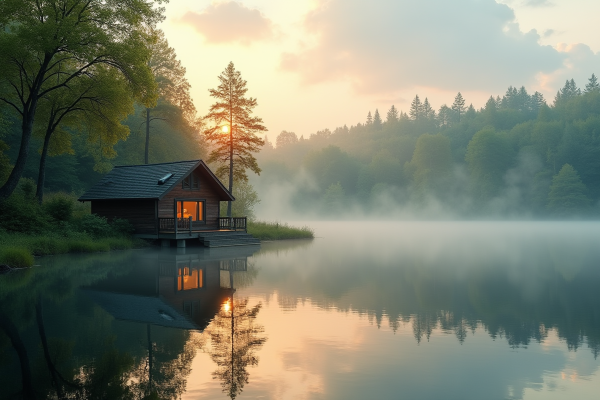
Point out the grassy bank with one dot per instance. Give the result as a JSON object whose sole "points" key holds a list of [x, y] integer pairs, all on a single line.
{"points": [[17, 250], [60, 225], [278, 231]]}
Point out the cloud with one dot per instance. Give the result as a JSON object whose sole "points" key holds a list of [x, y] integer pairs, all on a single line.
{"points": [[539, 3], [230, 22], [385, 46]]}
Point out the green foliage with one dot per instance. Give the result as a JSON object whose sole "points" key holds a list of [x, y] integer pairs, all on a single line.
{"points": [[245, 200], [331, 166], [95, 226], [432, 162], [277, 231], [21, 212], [16, 257], [67, 57], [489, 155], [59, 206], [568, 195]]}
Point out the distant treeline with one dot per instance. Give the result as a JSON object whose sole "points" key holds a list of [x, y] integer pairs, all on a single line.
{"points": [[517, 156]]}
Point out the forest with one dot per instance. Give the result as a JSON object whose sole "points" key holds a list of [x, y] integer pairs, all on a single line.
{"points": [[516, 157]]}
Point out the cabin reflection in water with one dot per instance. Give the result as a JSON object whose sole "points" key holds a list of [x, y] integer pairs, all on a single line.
{"points": [[172, 288]]}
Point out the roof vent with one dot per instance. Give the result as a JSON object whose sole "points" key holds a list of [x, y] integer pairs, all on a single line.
{"points": [[165, 178]]}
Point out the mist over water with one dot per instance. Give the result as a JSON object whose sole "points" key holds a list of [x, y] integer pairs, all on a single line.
{"points": [[367, 309]]}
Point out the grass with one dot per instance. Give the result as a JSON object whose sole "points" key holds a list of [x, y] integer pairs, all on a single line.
{"points": [[277, 231], [21, 245], [16, 257]]}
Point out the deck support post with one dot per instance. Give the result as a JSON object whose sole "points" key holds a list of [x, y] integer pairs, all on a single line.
{"points": [[181, 243]]}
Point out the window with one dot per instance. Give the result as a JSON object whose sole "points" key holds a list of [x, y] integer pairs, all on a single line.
{"points": [[190, 182], [189, 278], [194, 209]]}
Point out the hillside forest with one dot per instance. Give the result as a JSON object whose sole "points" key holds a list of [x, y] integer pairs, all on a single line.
{"points": [[519, 156]]}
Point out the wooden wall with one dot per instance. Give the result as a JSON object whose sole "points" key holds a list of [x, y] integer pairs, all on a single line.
{"points": [[204, 192], [141, 213]]}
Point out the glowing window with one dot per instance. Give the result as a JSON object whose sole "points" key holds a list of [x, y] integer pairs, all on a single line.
{"points": [[188, 279], [194, 209]]}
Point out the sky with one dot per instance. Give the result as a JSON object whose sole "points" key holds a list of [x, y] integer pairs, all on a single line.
{"points": [[316, 64]]}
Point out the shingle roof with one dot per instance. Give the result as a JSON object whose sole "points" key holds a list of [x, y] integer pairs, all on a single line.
{"points": [[142, 181]]}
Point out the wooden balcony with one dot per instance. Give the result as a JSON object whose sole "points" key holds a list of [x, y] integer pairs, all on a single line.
{"points": [[234, 224]]}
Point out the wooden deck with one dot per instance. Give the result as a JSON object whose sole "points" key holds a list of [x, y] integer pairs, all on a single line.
{"points": [[232, 232]]}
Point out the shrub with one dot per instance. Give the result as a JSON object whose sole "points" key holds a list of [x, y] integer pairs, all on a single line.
{"points": [[16, 257], [59, 206], [43, 245], [122, 227], [95, 226], [20, 213], [88, 246]]}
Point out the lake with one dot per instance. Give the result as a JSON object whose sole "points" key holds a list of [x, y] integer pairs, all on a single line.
{"points": [[366, 310]]}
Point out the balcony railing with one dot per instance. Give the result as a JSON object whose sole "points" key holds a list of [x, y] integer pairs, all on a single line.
{"points": [[235, 223], [169, 225]]}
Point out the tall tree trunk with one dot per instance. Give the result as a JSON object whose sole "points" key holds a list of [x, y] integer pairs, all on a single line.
{"points": [[29, 109], [42, 331], [11, 184], [39, 194], [13, 334], [230, 168], [147, 135]]}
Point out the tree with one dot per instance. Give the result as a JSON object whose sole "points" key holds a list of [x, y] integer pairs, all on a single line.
{"points": [[88, 34], [231, 114], [416, 109], [369, 118], [444, 115], [568, 194], [459, 105], [245, 200], [377, 120], [285, 138], [175, 103], [392, 115], [100, 103], [428, 111], [569, 91], [432, 161], [488, 156], [592, 84]]}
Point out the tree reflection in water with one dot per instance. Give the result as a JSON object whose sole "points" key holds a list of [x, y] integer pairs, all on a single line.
{"points": [[235, 338]]}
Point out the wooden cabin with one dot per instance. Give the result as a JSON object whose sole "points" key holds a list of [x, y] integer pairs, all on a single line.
{"points": [[177, 200]]}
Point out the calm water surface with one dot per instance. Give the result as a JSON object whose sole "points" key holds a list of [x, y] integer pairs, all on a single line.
{"points": [[367, 310]]}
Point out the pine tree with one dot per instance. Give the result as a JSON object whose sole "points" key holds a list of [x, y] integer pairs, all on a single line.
{"points": [[459, 105], [377, 120], [444, 115], [592, 84], [233, 129], [428, 111], [392, 115], [416, 109], [537, 101], [369, 118], [569, 91]]}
